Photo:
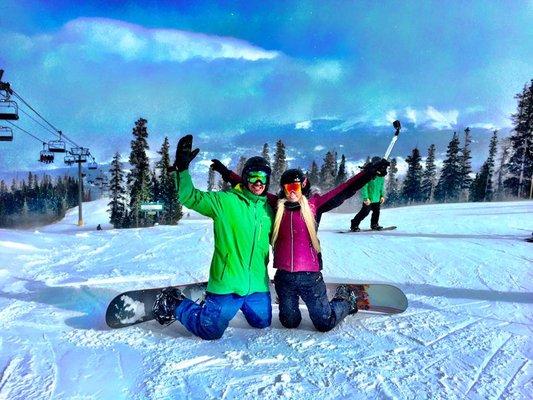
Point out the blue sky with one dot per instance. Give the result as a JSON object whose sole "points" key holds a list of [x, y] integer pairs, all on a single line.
{"points": [[219, 69]]}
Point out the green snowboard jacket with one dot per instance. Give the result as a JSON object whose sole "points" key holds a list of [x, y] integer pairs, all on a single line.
{"points": [[242, 228], [373, 190]]}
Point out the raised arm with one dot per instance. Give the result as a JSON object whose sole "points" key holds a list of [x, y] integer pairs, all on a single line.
{"points": [[344, 191], [206, 203]]}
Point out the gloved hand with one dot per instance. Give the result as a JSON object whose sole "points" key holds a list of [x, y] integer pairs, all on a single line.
{"points": [[378, 168], [221, 169], [184, 155]]}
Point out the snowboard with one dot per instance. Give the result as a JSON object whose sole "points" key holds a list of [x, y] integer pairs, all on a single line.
{"points": [[386, 228], [133, 307]]}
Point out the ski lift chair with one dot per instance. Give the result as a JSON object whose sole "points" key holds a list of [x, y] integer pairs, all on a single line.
{"points": [[9, 110], [92, 165], [69, 159], [81, 153], [46, 156], [6, 134], [57, 146]]}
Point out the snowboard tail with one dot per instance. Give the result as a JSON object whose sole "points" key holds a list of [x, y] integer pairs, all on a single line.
{"points": [[135, 306], [386, 228]]}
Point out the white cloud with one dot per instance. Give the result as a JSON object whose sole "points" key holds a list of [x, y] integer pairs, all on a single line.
{"points": [[319, 148], [304, 125], [442, 119], [391, 116], [410, 113], [133, 42]]}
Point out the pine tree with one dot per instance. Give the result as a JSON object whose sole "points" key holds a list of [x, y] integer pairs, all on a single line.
{"points": [[341, 173], [139, 176], [411, 190], [449, 184], [327, 172], [314, 174], [466, 166], [279, 166], [429, 176], [520, 166], [392, 186], [118, 193], [481, 189], [266, 153], [211, 180], [240, 165], [172, 209]]}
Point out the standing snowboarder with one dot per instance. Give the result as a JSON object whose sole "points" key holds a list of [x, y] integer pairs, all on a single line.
{"points": [[238, 277], [373, 196]]}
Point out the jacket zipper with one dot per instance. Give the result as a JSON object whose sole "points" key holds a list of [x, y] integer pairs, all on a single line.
{"points": [[253, 247], [292, 244]]}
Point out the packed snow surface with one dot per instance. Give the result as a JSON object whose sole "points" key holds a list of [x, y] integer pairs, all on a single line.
{"points": [[465, 269]]}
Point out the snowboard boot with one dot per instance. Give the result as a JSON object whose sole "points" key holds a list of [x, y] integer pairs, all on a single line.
{"points": [[165, 304], [347, 293], [354, 227], [376, 227]]}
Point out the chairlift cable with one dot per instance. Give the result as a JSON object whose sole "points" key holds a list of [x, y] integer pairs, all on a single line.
{"points": [[25, 131], [57, 131], [39, 123]]}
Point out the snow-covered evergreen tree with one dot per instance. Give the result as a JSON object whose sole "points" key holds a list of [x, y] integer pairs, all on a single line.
{"points": [[117, 205], [327, 172], [481, 188], [139, 175], [520, 165], [279, 165], [466, 166], [341, 173], [429, 176], [411, 190], [314, 174], [392, 185], [240, 165], [449, 184], [211, 180], [172, 210], [265, 153]]}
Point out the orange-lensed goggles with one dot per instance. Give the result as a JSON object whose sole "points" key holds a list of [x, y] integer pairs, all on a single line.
{"points": [[292, 187]]}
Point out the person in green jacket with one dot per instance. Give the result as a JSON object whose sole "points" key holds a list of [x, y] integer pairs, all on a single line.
{"points": [[238, 276], [373, 196]]}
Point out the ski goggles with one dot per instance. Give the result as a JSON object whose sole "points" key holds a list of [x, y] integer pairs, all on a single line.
{"points": [[258, 176], [292, 187]]}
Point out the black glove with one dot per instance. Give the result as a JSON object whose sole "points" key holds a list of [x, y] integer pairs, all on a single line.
{"points": [[184, 155], [221, 169], [378, 168]]}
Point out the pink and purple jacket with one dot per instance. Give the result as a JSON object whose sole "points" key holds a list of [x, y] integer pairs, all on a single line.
{"points": [[293, 250]]}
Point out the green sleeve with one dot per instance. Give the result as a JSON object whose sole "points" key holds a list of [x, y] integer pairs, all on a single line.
{"points": [[382, 188], [206, 203], [364, 192]]}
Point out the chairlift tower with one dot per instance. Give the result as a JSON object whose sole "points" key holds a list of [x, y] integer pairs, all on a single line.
{"points": [[80, 155]]}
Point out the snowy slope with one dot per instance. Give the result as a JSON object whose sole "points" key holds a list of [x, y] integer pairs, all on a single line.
{"points": [[467, 331]]}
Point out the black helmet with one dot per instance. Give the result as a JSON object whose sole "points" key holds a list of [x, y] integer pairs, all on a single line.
{"points": [[295, 175], [375, 159], [253, 164]]}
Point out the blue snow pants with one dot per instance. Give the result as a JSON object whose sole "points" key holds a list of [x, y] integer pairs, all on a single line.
{"points": [[210, 319], [311, 288]]}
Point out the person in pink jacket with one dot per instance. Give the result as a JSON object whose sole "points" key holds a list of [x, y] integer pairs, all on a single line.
{"points": [[296, 248]]}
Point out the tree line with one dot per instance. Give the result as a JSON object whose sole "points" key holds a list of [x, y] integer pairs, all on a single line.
{"points": [[35, 201], [505, 174]]}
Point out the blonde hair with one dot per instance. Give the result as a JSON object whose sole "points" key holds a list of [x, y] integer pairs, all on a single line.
{"points": [[308, 217]]}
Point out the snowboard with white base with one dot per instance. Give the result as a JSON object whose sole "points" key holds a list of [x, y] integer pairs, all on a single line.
{"points": [[135, 306]]}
